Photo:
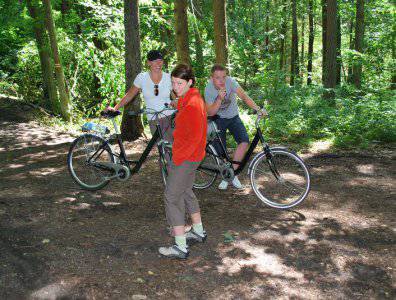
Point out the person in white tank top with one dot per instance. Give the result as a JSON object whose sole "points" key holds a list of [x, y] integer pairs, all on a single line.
{"points": [[156, 87]]}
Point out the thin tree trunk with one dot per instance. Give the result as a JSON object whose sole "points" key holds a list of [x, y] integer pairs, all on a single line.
{"points": [[351, 46], [220, 32], [302, 39], [49, 84], [267, 26], [294, 66], [331, 44], [199, 58], [359, 33], [131, 127], [181, 31], [65, 103], [283, 36], [393, 80], [310, 42], [324, 43]]}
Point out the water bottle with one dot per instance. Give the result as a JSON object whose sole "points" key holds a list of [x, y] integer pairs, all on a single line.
{"points": [[90, 126]]}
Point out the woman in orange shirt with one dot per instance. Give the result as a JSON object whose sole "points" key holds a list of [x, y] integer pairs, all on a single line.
{"points": [[187, 152]]}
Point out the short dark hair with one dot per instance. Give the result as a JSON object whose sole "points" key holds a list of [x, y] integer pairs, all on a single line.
{"points": [[185, 72], [153, 55], [218, 67]]}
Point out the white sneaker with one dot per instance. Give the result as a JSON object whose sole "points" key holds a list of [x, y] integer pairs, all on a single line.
{"points": [[223, 185], [236, 183]]}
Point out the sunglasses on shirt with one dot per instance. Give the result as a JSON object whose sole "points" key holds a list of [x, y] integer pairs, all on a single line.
{"points": [[156, 90]]}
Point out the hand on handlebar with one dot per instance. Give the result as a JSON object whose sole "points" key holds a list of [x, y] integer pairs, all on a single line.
{"points": [[262, 112]]}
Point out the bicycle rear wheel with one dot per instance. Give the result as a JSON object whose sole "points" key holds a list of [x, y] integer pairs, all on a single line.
{"points": [[86, 173], [280, 180], [205, 176]]}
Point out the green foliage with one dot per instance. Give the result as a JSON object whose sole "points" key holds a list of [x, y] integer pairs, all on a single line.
{"points": [[91, 42], [302, 116]]}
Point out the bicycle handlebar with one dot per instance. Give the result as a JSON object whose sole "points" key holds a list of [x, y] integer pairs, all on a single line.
{"points": [[110, 113]]}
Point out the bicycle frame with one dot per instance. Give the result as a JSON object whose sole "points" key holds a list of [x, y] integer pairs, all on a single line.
{"points": [[122, 155], [241, 165]]}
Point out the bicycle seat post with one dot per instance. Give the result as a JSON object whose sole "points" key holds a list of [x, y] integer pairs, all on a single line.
{"points": [[115, 126]]}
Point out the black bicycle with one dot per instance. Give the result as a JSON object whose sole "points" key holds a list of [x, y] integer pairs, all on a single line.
{"points": [[92, 163], [278, 176]]}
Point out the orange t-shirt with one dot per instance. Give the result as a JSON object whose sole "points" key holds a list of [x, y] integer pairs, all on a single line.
{"points": [[189, 136]]}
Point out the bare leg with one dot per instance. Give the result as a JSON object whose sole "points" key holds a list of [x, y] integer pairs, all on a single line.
{"points": [[239, 153], [196, 218], [178, 230]]}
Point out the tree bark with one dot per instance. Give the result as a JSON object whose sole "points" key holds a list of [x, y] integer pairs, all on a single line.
{"points": [[294, 65], [359, 33], [199, 58], [310, 41], [267, 8], [302, 39], [324, 43], [283, 36], [338, 50], [393, 79], [131, 127], [331, 45], [181, 31], [351, 47], [65, 103], [220, 32], [49, 85]]}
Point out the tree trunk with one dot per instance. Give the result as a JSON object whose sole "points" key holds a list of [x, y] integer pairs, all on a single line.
{"points": [[49, 85], [199, 58], [131, 127], [283, 36], [351, 46], [359, 33], [302, 39], [267, 8], [181, 31], [220, 32], [330, 61], [65, 103], [324, 44], [294, 66], [393, 80], [338, 50], [310, 41]]}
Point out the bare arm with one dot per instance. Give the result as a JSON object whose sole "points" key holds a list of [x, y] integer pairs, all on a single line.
{"points": [[249, 102], [212, 108], [132, 92]]}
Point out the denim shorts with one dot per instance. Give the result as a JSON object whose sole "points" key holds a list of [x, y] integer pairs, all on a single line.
{"points": [[235, 127]]}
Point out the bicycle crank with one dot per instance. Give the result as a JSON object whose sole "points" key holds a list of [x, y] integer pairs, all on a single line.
{"points": [[121, 172]]}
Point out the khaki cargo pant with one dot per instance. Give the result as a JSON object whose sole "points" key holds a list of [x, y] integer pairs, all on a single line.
{"points": [[179, 196]]}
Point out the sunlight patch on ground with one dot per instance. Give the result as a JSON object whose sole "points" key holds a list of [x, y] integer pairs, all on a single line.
{"points": [[15, 166], [55, 290], [44, 172], [366, 169], [321, 146], [262, 262]]}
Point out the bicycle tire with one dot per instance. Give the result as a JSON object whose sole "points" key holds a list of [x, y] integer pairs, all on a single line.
{"points": [[205, 178], [86, 174], [281, 179]]}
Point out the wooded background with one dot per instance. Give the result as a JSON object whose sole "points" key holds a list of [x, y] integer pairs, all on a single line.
{"points": [[326, 70]]}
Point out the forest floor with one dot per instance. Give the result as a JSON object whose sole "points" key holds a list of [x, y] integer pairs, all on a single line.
{"points": [[60, 242]]}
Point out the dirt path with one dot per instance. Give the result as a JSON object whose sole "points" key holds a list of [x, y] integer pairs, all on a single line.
{"points": [[58, 241]]}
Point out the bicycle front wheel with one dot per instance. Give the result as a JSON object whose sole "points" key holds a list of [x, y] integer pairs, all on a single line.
{"points": [[84, 164], [206, 173], [280, 179]]}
